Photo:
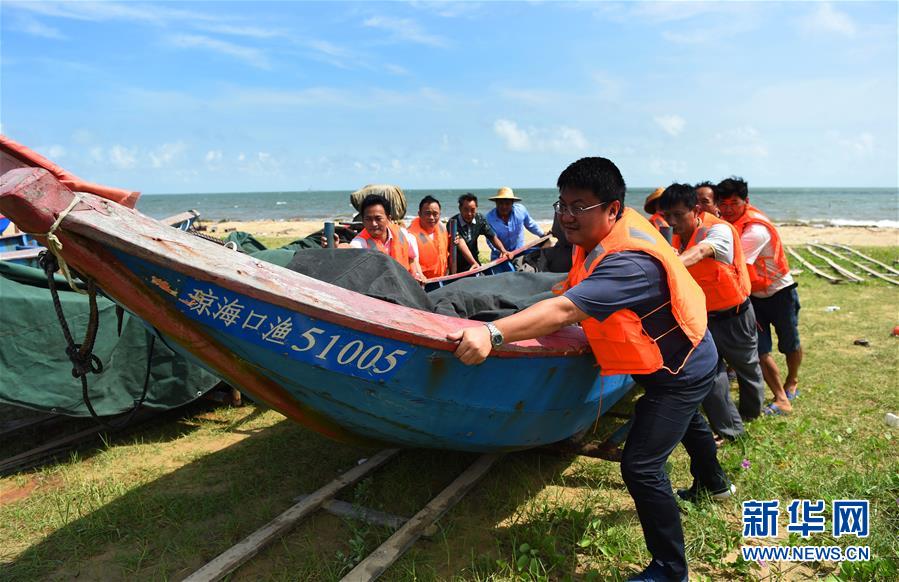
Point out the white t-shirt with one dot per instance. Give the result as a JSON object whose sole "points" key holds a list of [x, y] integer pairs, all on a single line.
{"points": [[721, 239], [756, 241], [360, 243]]}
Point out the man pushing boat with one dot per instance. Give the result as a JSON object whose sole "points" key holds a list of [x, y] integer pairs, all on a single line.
{"points": [[643, 315]]}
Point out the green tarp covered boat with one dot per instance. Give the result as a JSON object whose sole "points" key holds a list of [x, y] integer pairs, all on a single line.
{"points": [[35, 372]]}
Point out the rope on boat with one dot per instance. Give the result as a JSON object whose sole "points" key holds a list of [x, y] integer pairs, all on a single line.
{"points": [[81, 355], [55, 245]]}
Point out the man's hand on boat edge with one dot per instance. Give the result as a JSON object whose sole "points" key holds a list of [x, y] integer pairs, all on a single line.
{"points": [[540, 319]]}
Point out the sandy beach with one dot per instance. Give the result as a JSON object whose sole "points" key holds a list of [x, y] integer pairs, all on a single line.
{"points": [[791, 234]]}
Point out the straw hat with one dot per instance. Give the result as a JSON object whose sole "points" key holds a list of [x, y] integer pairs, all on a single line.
{"points": [[505, 193], [657, 193]]}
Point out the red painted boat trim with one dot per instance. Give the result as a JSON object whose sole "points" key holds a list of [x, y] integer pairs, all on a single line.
{"points": [[30, 158]]}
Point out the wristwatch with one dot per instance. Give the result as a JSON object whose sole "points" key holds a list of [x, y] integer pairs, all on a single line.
{"points": [[496, 336]]}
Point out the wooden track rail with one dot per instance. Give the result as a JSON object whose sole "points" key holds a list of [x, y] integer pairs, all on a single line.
{"points": [[849, 275], [861, 266], [813, 268], [384, 556]]}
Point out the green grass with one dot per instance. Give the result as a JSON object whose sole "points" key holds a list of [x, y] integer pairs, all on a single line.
{"points": [[159, 504]]}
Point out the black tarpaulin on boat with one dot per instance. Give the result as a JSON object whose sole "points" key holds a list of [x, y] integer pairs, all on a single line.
{"points": [[377, 275]]}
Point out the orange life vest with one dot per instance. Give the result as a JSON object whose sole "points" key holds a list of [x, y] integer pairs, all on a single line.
{"points": [[767, 269], [620, 343], [658, 221], [725, 286], [399, 249], [433, 253]]}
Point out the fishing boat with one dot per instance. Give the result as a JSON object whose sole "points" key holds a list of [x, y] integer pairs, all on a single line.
{"points": [[349, 366]]}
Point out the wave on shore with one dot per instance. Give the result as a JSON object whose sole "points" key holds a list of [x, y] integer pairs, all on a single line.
{"points": [[824, 222]]}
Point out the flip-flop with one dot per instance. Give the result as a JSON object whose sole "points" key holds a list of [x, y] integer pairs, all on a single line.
{"points": [[774, 410], [794, 396]]}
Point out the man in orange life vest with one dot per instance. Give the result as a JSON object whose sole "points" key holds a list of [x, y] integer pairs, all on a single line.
{"points": [[705, 196], [644, 315], [431, 237], [710, 249], [774, 295], [382, 235]]}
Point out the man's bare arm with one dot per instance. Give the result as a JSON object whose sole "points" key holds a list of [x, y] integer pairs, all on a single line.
{"points": [[540, 319], [696, 253]]}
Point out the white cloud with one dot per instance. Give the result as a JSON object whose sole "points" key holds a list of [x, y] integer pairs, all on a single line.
{"points": [[396, 69], [213, 156], [56, 152], [531, 96], [122, 157], [32, 26], [245, 31], [673, 125], [745, 141], [405, 29], [103, 11], [610, 88], [861, 145], [165, 154], [671, 169], [828, 19], [661, 12], [249, 55], [449, 9], [560, 139], [515, 139]]}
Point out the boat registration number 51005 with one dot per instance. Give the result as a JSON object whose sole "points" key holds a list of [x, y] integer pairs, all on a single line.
{"points": [[291, 334]]}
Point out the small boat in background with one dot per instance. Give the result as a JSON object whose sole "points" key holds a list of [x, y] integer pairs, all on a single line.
{"points": [[347, 365]]}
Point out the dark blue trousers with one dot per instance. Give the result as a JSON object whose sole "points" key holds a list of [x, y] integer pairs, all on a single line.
{"points": [[662, 419]]}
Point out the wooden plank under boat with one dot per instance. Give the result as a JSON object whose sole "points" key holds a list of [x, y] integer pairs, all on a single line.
{"points": [[347, 365]]}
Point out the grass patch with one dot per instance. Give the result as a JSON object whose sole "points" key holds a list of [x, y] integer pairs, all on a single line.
{"points": [[160, 504]]}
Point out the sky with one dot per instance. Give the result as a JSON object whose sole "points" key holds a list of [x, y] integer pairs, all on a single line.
{"points": [[181, 97]]}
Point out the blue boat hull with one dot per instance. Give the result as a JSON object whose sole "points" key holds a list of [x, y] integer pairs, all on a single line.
{"points": [[419, 397]]}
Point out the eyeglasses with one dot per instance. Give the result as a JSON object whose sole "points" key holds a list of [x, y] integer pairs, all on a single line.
{"points": [[561, 208]]}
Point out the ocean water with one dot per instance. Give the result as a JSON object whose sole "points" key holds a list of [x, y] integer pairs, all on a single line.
{"points": [[828, 206]]}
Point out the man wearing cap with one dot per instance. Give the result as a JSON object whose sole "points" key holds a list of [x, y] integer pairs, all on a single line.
{"points": [[509, 220], [774, 295], [710, 249], [642, 314], [651, 207]]}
